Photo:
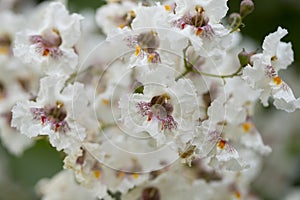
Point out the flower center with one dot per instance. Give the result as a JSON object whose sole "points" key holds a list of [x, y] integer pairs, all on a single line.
{"points": [[146, 44], [54, 116], [48, 43], [160, 106], [160, 109], [148, 41], [198, 20], [57, 113], [126, 19]]}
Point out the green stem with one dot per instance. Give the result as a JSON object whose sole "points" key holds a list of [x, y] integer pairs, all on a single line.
{"points": [[184, 56], [183, 74], [236, 73], [73, 76], [189, 67]]}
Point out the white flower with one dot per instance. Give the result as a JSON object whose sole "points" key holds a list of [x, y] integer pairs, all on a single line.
{"points": [[252, 139], [102, 166], [263, 75], [11, 24], [214, 9], [170, 107], [199, 181], [277, 54], [200, 22], [150, 38], [229, 125], [115, 82], [16, 84], [115, 15], [122, 152], [51, 44], [15, 142], [218, 150], [87, 170], [53, 113], [63, 185], [166, 186]]}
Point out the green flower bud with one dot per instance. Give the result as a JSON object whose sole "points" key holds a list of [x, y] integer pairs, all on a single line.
{"points": [[235, 18], [244, 57], [246, 7], [235, 21]]}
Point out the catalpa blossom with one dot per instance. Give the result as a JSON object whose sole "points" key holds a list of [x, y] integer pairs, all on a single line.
{"points": [[107, 18], [50, 44], [87, 171], [263, 74], [11, 138], [52, 113], [200, 181], [229, 126], [200, 21], [11, 24], [148, 38], [51, 189], [165, 107], [217, 149], [93, 171]]}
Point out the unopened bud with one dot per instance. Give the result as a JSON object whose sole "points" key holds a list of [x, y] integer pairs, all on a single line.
{"points": [[244, 57], [246, 7], [235, 19]]}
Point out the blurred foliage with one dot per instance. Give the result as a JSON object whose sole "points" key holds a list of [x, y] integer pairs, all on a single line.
{"points": [[77, 5], [40, 161]]}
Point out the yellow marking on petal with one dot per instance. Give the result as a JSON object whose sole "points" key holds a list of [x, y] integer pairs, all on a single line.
{"points": [[3, 50], [121, 174], [137, 50], [199, 31], [167, 7], [105, 102], [274, 58], [150, 57], [131, 13], [221, 144], [247, 126], [277, 80], [46, 52], [97, 173], [121, 26], [135, 175], [237, 195]]}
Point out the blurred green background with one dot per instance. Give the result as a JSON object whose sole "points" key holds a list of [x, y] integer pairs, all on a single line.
{"points": [[43, 161]]}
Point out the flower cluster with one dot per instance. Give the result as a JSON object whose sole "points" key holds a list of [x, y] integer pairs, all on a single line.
{"points": [[157, 106]]}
